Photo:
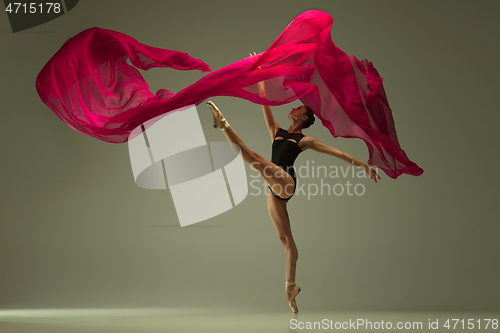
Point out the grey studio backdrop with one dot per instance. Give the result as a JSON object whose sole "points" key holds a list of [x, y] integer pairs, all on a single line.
{"points": [[76, 231]]}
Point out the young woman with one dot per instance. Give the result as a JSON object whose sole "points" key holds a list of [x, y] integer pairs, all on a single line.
{"points": [[279, 173]]}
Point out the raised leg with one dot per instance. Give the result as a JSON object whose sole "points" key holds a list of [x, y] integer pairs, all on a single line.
{"points": [[277, 179]]}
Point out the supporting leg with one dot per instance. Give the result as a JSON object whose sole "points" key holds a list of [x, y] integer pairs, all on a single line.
{"points": [[281, 221]]}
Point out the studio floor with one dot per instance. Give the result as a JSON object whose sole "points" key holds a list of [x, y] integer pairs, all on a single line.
{"points": [[179, 320]]}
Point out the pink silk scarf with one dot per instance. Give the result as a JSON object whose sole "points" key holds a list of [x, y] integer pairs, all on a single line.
{"points": [[90, 86]]}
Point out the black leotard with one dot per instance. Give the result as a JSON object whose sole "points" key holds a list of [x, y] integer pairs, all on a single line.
{"points": [[285, 152]]}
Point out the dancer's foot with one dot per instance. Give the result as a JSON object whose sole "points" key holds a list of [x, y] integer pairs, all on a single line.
{"points": [[292, 291], [219, 120]]}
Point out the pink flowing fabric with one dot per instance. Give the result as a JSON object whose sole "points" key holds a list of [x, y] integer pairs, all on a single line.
{"points": [[90, 86]]}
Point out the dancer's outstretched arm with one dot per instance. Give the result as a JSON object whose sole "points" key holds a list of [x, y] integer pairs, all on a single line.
{"points": [[316, 145]]}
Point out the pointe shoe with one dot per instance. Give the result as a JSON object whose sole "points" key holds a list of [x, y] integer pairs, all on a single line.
{"points": [[291, 294], [219, 120]]}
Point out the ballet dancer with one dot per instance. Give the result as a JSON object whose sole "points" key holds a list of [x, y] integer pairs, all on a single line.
{"points": [[279, 173]]}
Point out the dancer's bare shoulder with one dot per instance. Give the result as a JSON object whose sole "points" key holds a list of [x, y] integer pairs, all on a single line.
{"points": [[307, 142], [310, 142]]}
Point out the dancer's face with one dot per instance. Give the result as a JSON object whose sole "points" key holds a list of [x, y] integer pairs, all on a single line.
{"points": [[298, 113]]}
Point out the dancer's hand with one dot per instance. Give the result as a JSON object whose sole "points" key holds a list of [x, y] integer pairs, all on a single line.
{"points": [[254, 54], [372, 173], [261, 85]]}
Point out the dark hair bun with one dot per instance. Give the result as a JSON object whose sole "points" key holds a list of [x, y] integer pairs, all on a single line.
{"points": [[310, 117]]}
